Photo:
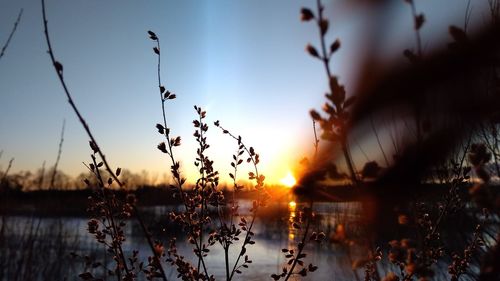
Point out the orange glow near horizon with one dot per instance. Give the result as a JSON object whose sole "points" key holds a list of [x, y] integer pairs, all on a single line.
{"points": [[288, 180]]}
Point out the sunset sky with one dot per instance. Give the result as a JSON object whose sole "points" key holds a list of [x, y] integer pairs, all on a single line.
{"points": [[242, 61]]}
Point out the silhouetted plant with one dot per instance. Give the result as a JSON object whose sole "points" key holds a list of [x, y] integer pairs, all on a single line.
{"points": [[205, 207], [190, 219], [295, 264], [59, 152], [418, 22], [108, 222], [41, 177], [116, 235], [414, 58], [335, 124], [209, 218], [461, 263], [3, 181], [14, 28], [245, 226]]}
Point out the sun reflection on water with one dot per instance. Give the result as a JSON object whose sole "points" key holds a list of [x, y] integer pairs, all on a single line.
{"points": [[292, 205]]}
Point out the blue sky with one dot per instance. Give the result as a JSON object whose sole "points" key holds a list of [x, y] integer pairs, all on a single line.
{"points": [[244, 61]]}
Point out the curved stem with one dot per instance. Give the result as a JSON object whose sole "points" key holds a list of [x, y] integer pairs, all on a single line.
{"points": [[175, 167], [258, 186], [109, 214], [59, 71], [54, 172], [325, 58], [11, 33], [302, 244]]}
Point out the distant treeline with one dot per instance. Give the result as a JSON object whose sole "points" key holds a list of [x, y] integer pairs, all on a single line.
{"points": [[71, 202], [41, 180]]}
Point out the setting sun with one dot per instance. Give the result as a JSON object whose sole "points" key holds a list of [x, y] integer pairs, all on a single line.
{"points": [[288, 180]]}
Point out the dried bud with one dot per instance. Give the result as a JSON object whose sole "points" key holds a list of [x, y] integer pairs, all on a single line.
{"points": [[334, 46], [306, 14], [312, 51], [93, 146], [160, 128], [162, 147], [323, 26], [312, 268], [176, 141], [419, 21], [315, 115], [152, 35], [59, 67]]}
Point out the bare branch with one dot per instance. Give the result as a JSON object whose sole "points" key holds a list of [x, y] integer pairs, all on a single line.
{"points": [[11, 33]]}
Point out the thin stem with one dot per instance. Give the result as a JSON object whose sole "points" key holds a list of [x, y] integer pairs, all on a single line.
{"points": [[244, 244], [42, 174], [361, 150], [468, 13], [254, 162], [443, 212], [494, 132], [167, 130], [11, 33], [417, 105], [316, 140], [325, 58], [491, 145], [348, 159], [4, 177], [201, 156], [226, 258], [149, 239], [302, 245], [378, 140], [53, 177], [175, 167], [59, 70], [392, 131], [259, 185], [116, 246], [417, 32], [225, 241]]}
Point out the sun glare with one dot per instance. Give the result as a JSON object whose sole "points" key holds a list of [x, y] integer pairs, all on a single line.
{"points": [[288, 180]]}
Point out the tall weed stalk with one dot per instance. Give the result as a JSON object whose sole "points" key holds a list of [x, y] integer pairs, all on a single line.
{"points": [[335, 124], [115, 230]]}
